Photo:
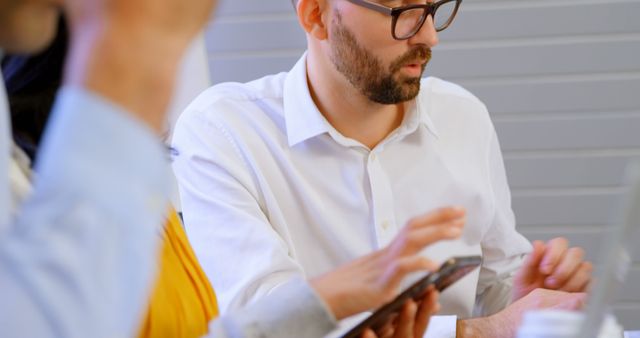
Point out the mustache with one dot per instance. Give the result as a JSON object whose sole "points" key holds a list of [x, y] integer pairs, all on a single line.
{"points": [[418, 54]]}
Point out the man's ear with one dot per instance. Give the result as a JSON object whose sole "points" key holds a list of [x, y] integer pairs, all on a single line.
{"points": [[313, 17]]}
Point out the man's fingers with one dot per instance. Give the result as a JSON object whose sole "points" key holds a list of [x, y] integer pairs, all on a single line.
{"points": [[534, 259], [580, 280], [387, 330], [413, 239], [406, 319], [441, 224], [430, 235], [368, 333], [556, 248], [401, 267], [442, 215], [427, 308], [569, 264]]}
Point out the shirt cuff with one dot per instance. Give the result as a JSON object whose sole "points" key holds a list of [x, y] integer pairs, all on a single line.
{"points": [[442, 327], [291, 310]]}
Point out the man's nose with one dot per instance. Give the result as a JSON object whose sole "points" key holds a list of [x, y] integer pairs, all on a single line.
{"points": [[427, 34]]}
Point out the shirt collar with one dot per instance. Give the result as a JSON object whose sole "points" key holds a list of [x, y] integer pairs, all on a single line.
{"points": [[302, 117], [423, 105], [304, 120]]}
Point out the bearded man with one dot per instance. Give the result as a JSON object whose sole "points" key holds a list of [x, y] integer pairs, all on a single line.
{"points": [[294, 174]]}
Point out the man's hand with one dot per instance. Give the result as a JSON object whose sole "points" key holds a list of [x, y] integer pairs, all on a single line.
{"points": [[412, 321], [373, 280], [506, 322], [172, 23], [553, 266], [128, 51]]}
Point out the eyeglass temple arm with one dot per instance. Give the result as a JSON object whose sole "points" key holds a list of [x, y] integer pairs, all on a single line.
{"points": [[374, 6]]}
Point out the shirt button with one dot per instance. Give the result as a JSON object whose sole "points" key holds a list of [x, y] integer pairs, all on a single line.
{"points": [[385, 225], [373, 157]]}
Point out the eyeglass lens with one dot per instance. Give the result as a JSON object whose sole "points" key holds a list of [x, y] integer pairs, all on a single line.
{"points": [[410, 21]]}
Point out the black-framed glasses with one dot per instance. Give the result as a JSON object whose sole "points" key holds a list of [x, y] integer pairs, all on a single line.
{"points": [[407, 20]]}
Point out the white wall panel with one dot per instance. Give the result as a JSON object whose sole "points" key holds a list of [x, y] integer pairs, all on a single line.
{"points": [[567, 170]]}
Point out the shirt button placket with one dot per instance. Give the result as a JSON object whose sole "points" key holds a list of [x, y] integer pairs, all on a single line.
{"points": [[382, 197]]}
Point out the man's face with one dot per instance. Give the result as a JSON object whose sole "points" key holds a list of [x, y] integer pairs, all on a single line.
{"points": [[384, 70], [27, 26]]}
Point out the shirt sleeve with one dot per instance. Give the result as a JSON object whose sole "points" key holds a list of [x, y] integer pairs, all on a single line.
{"points": [[503, 248], [242, 254], [291, 311], [79, 258]]}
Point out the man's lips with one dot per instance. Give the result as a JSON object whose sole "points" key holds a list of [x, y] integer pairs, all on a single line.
{"points": [[412, 70], [415, 58], [416, 63], [415, 68]]}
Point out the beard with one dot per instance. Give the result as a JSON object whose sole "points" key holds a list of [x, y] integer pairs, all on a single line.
{"points": [[366, 72]]}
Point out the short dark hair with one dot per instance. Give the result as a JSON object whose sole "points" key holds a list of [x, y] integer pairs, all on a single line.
{"points": [[32, 82]]}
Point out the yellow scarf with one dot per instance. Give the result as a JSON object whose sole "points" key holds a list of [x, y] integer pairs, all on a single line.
{"points": [[183, 302]]}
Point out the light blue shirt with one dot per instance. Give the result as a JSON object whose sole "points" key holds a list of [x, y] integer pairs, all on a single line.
{"points": [[79, 259]]}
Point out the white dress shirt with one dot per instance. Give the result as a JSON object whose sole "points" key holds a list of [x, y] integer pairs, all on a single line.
{"points": [[78, 260], [270, 190]]}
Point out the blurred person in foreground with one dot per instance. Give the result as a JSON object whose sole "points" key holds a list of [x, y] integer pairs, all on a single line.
{"points": [[78, 257], [182, 302]]}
